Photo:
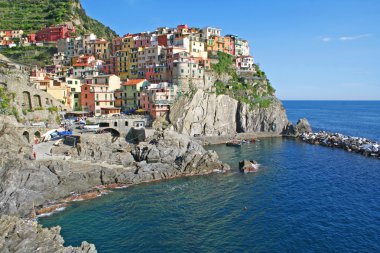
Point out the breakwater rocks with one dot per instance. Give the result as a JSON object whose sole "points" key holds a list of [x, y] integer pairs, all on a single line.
{"points": [[17, 235], [335, 140]]}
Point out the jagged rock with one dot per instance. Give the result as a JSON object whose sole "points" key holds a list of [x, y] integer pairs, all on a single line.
{"points": [[248, 166], [17, 235], [272, 119], [302, 126], [210, 115]]}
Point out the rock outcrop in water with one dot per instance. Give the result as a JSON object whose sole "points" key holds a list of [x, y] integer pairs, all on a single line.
{"points": [[208, 114], [335, 140], [17, 235], [302, 126]]}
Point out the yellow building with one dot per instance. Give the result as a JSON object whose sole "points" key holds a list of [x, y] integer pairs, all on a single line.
{"points": [[60, 91], [125, 57], [102, 49]]}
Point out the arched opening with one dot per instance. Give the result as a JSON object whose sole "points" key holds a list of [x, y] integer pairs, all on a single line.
{"points": [[113, 132], [37, 101], [104, 124], [37, 134], [25, 136], [3, 85], [27, 103]]}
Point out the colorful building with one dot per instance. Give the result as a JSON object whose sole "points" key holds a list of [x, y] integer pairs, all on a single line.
{"points": [[54, 33], [128, 96], [157, 98], [97, 95]]}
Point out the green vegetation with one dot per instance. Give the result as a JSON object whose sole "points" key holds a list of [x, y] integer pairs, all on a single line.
{"points": [[31, 55], [32, 15], [255, 91], [53, 109], [224, 66], [5, 103], [5, 100]]}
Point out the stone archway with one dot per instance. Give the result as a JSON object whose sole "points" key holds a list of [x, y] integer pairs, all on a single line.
{"points": [[113, 132], [3, 85], [37, 101], [27, 103], [37, 135], [25, 136]]}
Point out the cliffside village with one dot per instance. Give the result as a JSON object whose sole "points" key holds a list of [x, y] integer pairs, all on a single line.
{"points": [[137, 73]]}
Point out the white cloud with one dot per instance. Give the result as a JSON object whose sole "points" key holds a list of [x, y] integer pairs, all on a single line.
{"points": [[345, 38], [361, 36], [326, 39]]}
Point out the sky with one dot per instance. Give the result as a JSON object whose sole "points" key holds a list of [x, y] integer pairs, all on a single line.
{"points": [[309, 49]]}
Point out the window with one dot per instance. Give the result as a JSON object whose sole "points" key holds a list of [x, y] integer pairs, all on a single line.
{"points": [[115, 124], [126, 123], [85, 95], [97, 103], [72, 89]]}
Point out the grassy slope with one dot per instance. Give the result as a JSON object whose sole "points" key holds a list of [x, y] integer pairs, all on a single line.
{"points": [[32, 15], [32, 55]]}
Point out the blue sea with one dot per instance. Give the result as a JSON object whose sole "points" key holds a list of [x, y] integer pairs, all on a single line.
{"points": [[304, 198]]}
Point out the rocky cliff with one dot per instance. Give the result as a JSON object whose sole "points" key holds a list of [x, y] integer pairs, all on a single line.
{"points": [[209, 114], [17, 235]]}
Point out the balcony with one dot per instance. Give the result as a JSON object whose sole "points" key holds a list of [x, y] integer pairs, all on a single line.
{"points": [[163, 102]]}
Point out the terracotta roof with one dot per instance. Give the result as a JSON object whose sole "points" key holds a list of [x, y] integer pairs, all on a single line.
{"points": [[131, 82], [81, 65]]}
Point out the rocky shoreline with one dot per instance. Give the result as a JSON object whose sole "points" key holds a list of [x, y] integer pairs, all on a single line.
{"points": [[357, 145], [29, 188]]}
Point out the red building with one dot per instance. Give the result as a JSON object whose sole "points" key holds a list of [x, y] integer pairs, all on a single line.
{"points": [[32, 38], [54, 33]]}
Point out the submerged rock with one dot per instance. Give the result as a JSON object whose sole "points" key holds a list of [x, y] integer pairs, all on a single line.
{"points": [[248, 166]]}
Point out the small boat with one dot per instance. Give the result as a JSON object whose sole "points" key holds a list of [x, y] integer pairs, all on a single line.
{"points": [[233, 144]]}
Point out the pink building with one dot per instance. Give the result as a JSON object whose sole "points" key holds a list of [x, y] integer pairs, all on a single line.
{"points": [[141, 40], [97, 94], [157, 99]]}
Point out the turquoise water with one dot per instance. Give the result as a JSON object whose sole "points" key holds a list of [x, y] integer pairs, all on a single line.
{"points": [[305, 198]]}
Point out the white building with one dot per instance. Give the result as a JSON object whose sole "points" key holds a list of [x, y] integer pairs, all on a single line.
{"points": [[207, 32]]}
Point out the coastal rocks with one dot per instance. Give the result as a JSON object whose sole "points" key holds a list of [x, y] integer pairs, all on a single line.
{"points": [[302, 126], [271, 119], [248, 166], [208, 114], [27, 184], [17, 235], [335, 140]]}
